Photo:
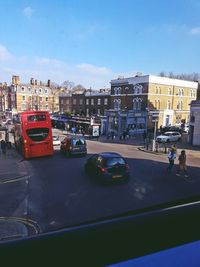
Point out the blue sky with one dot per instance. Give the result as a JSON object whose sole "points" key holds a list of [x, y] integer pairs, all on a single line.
{"points": [[91, 42]]}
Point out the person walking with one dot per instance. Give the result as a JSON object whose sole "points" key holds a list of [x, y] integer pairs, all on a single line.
{"points": [[3, 147], [144, 135], [171, 157], [112, 134], [182, 168]]}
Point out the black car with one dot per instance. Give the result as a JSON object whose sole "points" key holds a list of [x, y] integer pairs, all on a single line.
{"points": [[107, 167]]}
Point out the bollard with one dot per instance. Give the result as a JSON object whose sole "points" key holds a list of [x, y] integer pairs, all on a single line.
{"points": [[165, 149]]}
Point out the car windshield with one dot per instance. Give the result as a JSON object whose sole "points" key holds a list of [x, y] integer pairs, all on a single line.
{"points": [[117, 82], [78, 142]]}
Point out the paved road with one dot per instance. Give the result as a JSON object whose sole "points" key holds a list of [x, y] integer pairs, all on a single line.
{"points": [[60, 194]]}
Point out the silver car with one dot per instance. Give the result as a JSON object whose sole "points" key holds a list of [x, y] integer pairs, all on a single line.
{"points": [[168, 137]]}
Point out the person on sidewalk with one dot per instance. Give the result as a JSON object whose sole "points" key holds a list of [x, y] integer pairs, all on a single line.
{"points": [[144, 135], [182, 164], [3, 147], [112, 135], [171, 157]]}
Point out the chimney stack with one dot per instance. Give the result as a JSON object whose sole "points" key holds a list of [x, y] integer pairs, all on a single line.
{"points": [[40, 83], [49, 83], [35, 82], [32, 81], [15, 80]]}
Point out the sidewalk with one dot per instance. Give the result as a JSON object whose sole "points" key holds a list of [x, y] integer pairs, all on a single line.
{"points": [[12, 170], [11, 166], [136, 141], [193, 151]]}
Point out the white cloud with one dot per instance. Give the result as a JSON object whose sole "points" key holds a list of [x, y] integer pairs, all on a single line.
{"points": [[92, 69], [28, 11], [42, 68], [195, 31], [4, 53]]}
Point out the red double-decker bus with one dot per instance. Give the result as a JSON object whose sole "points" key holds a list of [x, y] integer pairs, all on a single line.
{"points": [[33, 134]]}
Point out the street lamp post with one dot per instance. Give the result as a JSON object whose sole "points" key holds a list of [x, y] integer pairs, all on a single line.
{"points": [[154, 135]]}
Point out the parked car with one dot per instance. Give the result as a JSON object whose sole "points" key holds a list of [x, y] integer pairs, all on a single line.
{"points": [[73, 145], [172, 128], [56, 140], [168, 137], [107, 167]]}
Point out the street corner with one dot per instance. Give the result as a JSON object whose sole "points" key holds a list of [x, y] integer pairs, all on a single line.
{"points": [[143, 149]]}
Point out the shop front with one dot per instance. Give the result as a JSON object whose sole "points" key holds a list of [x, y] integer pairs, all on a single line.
{"points": [[119, 121]]}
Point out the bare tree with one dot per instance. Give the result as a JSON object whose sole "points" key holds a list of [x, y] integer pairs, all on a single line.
{"points": [[68, 85], [182, 76]]}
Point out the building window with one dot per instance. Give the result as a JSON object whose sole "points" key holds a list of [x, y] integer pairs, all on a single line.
{"points": [[137, 89], [30, 97], [47, 107], [40, 90], [157, 104], [181, 105], [87, 111], [99, 101], [40, 99], [61, 101], [117, 91], [87, 101], [178, 119], [67, 101], [156, 90], [23, 106], [180, 92], [92, 101], [98, 111], [117, 103], [74, 101], [23, 89], [168, 104], [192, 93], [169, 91], [47, 99], [178, 106], [23, 97], [105, 101], [81, 101], [137, 103], [46, 91], [29, 89]]}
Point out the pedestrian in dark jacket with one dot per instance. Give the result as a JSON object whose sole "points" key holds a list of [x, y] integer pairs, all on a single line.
{"points": [[171, 157], [3, 146]]}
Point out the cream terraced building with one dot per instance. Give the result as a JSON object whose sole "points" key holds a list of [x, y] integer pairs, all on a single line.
{"points": [[164, 99], [34, 97]]}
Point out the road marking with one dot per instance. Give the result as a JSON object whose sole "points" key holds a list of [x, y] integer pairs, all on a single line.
{"points": [[15, 179]]}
